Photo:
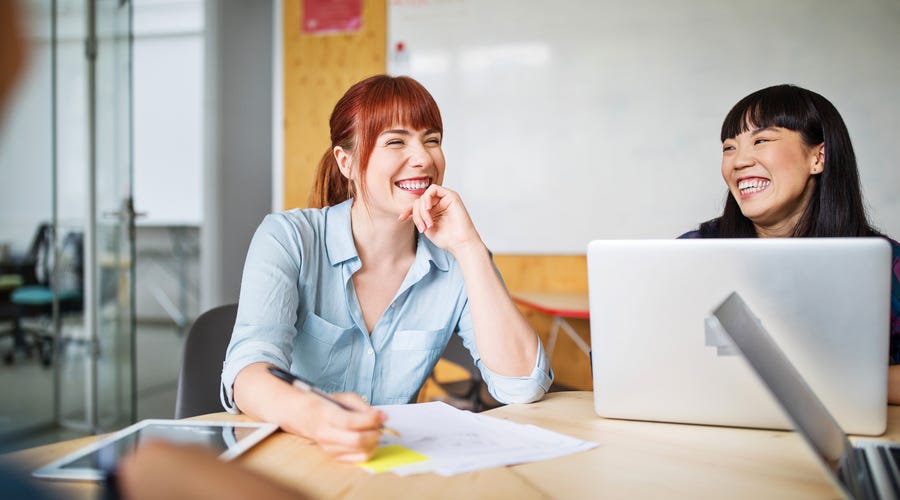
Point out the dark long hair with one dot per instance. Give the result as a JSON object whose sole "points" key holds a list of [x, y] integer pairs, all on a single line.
{"points": [[836, 207], [366, 110]]}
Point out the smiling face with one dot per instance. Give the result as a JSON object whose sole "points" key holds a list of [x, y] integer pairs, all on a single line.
{"points": [[403, 163], [771, 173]]}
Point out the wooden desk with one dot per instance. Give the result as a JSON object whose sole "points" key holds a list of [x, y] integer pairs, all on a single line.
{"points": [[634, 460], [559, 306]]}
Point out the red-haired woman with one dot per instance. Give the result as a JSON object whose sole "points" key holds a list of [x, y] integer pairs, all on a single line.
{"points": [[361, 294]]}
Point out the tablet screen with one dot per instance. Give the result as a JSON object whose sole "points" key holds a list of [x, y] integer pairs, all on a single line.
{"points": [[228, 439]]}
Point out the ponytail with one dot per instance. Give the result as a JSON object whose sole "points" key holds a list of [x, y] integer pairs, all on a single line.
{"points": [[331, 187]]}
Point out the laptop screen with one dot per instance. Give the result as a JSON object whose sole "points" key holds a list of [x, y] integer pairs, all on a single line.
{"points": [[810, 417]]}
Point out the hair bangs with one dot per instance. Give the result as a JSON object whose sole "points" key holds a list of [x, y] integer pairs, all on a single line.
{"points": [[784, 106], [415, 107], [391, 102], [399, 101]]}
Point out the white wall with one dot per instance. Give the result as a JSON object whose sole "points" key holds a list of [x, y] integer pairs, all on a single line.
{"points": [[238, 121], [25, 155], [572, 120], [168, 111], [168, 156], [26, 131]]}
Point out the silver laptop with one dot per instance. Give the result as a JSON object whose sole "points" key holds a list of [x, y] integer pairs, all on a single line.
{"points": [[868, 470], [656, 357]]}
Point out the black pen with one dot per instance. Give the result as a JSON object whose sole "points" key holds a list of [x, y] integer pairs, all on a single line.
{"points": [[307, 386]]}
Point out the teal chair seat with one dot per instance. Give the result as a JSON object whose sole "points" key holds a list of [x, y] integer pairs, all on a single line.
{"points": [[29, 294], [36, 295]]}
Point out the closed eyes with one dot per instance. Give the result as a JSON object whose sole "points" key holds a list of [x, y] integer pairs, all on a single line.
{"points": [[400, 142]]}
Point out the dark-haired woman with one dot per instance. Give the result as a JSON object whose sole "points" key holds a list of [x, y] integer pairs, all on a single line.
{"points": [[361, 293], [791, 172]]}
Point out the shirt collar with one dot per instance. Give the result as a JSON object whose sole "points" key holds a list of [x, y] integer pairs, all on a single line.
{"points": [[338, 235], [341, 248]]}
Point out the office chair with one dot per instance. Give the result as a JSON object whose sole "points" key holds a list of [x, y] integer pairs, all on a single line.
{"points": [[471, 394], [34, 298], [199, 381], [10, 279]]}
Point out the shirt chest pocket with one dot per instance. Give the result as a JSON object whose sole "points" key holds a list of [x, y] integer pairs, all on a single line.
{"points": [[413, 355], [323, 352], [419, 340]]}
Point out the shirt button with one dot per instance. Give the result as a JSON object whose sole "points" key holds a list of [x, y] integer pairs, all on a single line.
{"points": [[370, 351], [364, 397]]}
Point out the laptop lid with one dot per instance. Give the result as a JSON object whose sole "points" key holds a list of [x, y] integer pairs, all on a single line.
{"points": [[739, 325], [825, 302]]}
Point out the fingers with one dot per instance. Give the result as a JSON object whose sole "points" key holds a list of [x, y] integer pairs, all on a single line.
{"points": [[364, 417], [423, 212], [440, 214], [420, 209], [350, 446], [429, 200], [350, 436]]}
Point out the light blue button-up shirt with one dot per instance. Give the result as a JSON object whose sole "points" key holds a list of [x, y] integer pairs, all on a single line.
{"points": [[298, 310]]}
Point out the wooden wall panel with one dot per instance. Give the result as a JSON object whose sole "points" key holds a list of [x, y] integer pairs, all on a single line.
{"points": [[318, 69], [553, 273], [543, 273]]}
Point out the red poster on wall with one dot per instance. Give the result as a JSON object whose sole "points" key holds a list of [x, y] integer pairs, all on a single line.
{"points": [[331, 16]]}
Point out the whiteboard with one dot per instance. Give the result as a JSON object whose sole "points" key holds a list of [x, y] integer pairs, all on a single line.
{"points": [[168, 56], [574, 120]]}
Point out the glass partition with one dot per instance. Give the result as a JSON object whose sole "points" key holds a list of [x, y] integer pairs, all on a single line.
{"points": [[27, 205], [114, 216], [65, 161]]}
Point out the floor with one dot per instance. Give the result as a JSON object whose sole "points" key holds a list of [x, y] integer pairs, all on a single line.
{"points": [[26, 388]]}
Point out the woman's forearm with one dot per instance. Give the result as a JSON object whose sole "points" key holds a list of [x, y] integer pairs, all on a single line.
{"points": [[506, 341], [263, 396], [347, 434]]}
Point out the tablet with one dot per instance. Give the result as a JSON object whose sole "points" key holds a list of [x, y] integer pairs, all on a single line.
{"points": [[93, 461]]}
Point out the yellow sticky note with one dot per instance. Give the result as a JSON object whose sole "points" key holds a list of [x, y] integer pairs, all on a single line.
{"points": [[391, 456]]}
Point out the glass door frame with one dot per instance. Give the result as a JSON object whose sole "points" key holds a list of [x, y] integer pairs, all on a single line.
{"points": [[113, 224]]}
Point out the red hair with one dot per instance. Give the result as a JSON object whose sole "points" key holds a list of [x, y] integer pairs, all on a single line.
{"points": [[366, 110]]}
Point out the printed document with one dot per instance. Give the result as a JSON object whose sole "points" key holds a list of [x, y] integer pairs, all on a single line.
{"points": [[436, 437]]}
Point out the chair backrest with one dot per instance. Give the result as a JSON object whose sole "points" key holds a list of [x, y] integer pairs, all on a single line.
{"points": [[473, 394], [456, 352], [38, 264], [70, 277], [201, 364]]}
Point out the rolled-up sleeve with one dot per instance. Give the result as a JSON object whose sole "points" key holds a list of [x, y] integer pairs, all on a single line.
{"points": [[520, 389], [267, 310], [506, 389]]}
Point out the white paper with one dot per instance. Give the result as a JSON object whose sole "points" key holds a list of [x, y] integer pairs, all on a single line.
{"points": [[460, 441]]}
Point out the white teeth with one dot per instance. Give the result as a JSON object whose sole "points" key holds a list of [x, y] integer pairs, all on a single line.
{"points": [[753, 185], [414, 185]]}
